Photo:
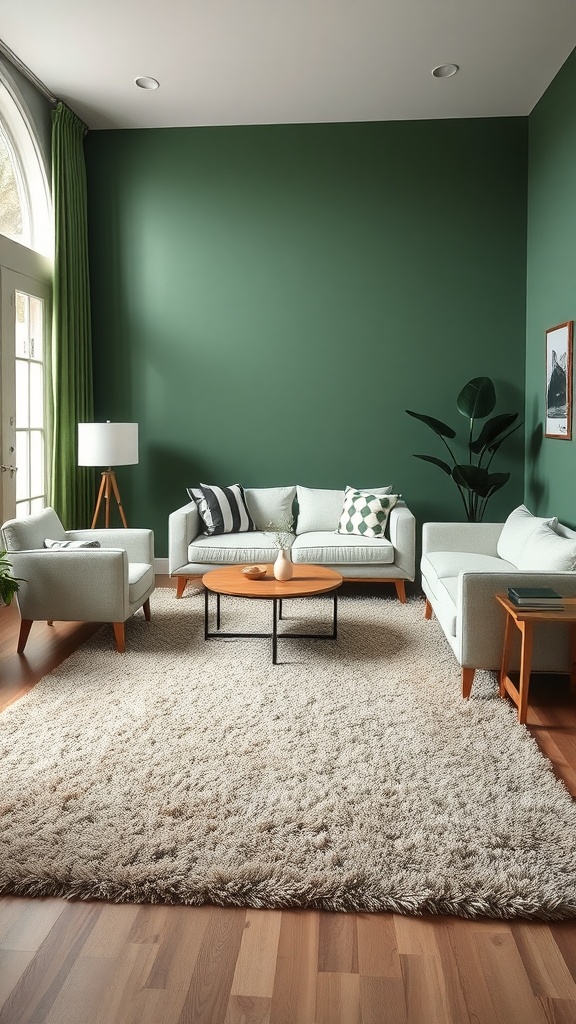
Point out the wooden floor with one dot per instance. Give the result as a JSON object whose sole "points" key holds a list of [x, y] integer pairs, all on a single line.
{"points": [[65, 962]]}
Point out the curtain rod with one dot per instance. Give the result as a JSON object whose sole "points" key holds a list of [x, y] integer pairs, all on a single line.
{"points": [[21, 67]]}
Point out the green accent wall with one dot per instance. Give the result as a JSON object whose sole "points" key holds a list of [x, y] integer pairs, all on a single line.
{"points": [[267, 302], [551, 286]]}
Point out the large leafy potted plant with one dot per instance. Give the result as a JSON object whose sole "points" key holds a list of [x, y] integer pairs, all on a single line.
{"points": [[9, 584], [475, 483]]}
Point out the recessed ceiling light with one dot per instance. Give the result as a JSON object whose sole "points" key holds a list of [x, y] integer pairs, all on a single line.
{"points": [[144, 82], [445, 70]]}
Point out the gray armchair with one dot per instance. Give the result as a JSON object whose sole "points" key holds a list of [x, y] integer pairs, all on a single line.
{"points": [[89, 584]]}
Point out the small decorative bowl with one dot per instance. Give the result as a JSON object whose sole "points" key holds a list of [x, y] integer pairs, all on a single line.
{"points": [[254, 572]]}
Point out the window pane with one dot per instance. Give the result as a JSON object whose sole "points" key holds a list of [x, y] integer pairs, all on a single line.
{"points": [[37, 504], [23, 509], [22, 394], [11, 206], [23, 463], [36, 395], [36, 327], [22, 325], [36, 464]]}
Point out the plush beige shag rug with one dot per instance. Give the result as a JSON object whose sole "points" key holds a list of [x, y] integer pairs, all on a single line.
{"points": [[352, 776]]}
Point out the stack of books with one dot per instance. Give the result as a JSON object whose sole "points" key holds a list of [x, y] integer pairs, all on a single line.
{"points": [[536, 598]]}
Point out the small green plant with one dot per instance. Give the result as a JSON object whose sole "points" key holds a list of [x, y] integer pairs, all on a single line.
{"points": [[9, 584], [281, 533], [475, 483]]}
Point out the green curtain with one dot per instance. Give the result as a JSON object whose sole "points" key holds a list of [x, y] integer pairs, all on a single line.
{"points": [[72, 487]]}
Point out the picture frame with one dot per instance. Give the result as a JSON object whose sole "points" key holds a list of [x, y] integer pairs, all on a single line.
{"points": [[558, 396]]}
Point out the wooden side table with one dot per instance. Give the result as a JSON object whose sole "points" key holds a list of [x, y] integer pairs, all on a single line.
{"points": [[525, 619]]}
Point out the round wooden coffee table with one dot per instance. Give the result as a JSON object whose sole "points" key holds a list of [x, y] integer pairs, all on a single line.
{"points": [[307, 581]]}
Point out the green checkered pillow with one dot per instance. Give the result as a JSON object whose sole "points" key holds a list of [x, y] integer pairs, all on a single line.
{"points": [[365, 514]]}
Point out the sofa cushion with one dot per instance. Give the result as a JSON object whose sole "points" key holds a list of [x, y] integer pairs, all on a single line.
{"points": [[546, 550], [365, 514], [516, 532], [319, 508], [324, 547], [232, 549], [441, 565], [222, 509], [270, 506]]}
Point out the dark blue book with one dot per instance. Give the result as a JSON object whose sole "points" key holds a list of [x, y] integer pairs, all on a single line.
{"points": [[533, 594]]}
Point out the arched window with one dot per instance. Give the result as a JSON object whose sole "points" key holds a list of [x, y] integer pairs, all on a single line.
{"points": [[26, 270], [25, 214]]}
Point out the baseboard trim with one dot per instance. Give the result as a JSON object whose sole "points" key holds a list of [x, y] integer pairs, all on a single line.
{"points": [[161, 566]]}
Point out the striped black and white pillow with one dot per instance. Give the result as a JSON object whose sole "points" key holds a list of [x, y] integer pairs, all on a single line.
{"points": [[222, 509], [71, 543]]}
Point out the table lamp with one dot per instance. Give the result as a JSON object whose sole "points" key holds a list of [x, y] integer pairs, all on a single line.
{"points": [[108, 444]]}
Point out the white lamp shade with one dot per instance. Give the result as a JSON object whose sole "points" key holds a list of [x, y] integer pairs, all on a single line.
{"points": [[107, 444]]}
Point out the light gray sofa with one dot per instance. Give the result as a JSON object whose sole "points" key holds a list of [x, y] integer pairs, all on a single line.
{"points": [[463, 567], [316, 514]]}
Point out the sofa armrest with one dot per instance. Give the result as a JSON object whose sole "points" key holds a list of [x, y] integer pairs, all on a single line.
{"points": [[183, 528], [139, 544], [480, 619], [480, 538], [86, 584], [403, 539]]}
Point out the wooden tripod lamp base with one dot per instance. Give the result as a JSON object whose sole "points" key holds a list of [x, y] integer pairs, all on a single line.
{"points": [[108, 487]]}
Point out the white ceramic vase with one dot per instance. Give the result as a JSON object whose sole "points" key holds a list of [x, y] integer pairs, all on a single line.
{"points": [[283, 569]]}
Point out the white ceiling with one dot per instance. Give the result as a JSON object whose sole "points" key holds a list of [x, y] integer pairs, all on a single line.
{"points": [[225, 62]]}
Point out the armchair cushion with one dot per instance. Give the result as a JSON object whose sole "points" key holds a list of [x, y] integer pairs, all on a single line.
{"points": [[517, 531]]}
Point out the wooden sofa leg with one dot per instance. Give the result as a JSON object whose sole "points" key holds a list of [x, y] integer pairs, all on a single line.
{"points": [[427, 610], [400, 590], [25, 627], [467, 679], [119, 636], [146, 610], [181, 582]]}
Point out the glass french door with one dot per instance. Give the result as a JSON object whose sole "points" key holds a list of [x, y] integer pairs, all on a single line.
{"points": [[25, 323]]}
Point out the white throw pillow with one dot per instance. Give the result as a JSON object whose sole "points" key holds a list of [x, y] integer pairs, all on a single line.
{"points": [[517, 530], [270, 505], [547, 550], [320, 508]]}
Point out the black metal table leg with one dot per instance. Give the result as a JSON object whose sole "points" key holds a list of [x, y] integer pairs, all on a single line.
{"points": [[335, 630], [274, 630], [206, 612], [217, 612]]}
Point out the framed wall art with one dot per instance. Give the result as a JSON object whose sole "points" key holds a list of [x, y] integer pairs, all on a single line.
{"points": [[559, 381]]}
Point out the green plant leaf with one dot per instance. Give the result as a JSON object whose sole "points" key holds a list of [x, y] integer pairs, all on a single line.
{"points": [[477, 398], [473, 478], [498, 441], [436, 425], [491, 429], [497, 480], [435, 462]]}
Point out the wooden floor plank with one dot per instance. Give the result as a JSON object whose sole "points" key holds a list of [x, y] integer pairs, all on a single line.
{"points": [[256, 964], [338, 999], [377, 946], [543, 962], [294, 993]]}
